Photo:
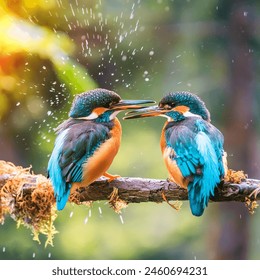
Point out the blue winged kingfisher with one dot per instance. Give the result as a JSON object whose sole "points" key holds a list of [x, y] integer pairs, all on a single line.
{"points": [[87, 142], [192, 147]]}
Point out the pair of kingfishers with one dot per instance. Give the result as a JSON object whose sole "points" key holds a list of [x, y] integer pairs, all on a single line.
{"points": [[88, 141]]}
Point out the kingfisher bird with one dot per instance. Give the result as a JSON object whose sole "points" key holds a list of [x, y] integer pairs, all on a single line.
{"points": [[87, 142], [191, 146]]}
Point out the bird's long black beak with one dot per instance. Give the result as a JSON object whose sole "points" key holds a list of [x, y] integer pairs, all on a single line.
{"points": [[150, 111], [130, 104]]}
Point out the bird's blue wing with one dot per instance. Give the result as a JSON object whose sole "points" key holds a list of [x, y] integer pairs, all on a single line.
{"points": [[186, 154], [217, 140], [76, 142], [197, 149]]}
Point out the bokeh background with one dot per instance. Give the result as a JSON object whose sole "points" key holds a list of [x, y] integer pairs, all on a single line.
{"points": [[51, 50]]}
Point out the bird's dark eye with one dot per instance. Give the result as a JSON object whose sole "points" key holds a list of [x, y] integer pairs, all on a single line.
{"points": [[167, 107], [112, 103]]}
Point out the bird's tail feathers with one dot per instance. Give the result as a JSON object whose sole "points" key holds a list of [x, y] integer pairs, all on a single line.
{"points": [[60, 186], [203, 185], [62, 200], [196, 204]]}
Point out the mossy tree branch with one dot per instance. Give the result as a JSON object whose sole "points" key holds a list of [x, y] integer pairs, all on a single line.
{"points": [[137, 190], [29, 198]]}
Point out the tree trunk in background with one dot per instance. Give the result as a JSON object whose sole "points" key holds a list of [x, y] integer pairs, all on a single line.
{"points": [[8, 149], [232, 238]]}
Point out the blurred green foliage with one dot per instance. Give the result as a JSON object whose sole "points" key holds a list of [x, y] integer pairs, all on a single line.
{"points": [[50, 50]]}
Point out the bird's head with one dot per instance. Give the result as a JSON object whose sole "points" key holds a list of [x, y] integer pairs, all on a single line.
{"points": [[174, 106], [101, 104]]}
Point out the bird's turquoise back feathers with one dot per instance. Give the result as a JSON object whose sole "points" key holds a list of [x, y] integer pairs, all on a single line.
{"points": [[198, 151], [203, 186], [61, 188], [77, 141]]}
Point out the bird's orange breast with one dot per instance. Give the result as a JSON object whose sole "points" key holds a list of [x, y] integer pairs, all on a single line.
{"points": [[102, 158], [168, 153]]}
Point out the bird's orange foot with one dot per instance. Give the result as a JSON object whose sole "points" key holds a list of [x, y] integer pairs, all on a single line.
{"points": [[255, 192], [111, 177], [114, 195], [115, 202], [175, 204], [170, 179]]}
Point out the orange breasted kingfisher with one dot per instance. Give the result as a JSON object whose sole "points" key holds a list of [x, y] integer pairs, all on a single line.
{"points": [[87, 142], [191, 146]]}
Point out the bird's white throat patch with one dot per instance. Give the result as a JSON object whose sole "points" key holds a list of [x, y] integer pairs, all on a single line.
{"points": [[92, 116], [113, 115], [189, 114]]}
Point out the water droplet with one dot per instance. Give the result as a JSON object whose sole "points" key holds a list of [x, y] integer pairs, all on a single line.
{"points": [[146, 79], [100, 210], [151, 53], [3, 249], [49, 113], [18, 104], [72, 10], [49, 255], [33, 255], [89, 213], [131, 16], [44, 67], [124, 58], [121, 219], [245, 14], [86, 220], [71, 214]]}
